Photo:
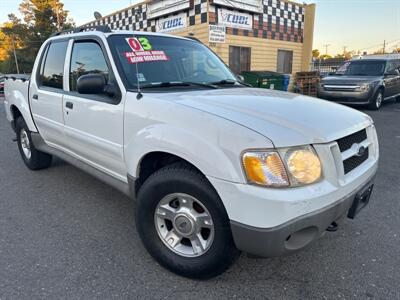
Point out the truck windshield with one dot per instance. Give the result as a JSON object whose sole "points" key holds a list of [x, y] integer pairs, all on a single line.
{"points": [[362, 68], [166, 62]]}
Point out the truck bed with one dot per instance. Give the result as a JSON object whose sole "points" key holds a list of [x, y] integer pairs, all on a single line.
{"points": [[16, 96]]}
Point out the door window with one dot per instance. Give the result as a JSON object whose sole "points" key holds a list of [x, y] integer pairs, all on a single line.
{"points": [[285, 62], [87, 58], [52, 70], [239, 59], [392, 66]]}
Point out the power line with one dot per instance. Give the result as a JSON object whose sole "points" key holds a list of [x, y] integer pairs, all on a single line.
{"points": [[378, 45]]}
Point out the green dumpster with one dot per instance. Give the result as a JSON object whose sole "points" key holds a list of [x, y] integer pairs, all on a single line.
{"points": [[264, 79]]}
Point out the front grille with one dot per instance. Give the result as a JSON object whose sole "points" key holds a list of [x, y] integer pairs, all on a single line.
{"points": [[348, 141], [354, 161]]}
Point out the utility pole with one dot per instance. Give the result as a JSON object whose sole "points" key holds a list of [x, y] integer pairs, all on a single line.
{"points": [[384, 46], [326, 48], [15, 55]]}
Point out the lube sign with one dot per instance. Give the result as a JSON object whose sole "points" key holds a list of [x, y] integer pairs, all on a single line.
{"points": [[235, 19], [172, 23]]}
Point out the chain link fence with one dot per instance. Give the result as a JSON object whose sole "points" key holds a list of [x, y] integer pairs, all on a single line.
{"points": [[326, 66]]}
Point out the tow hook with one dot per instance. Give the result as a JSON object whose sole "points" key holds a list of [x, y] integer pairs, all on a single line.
{"points": [[333, 227]]}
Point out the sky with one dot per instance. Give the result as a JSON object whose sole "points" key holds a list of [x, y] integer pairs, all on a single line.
{"points": [[355, 24]]}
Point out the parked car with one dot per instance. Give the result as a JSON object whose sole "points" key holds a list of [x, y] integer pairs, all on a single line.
{"points": [[215, 167], [367, 81], [2, 79]]}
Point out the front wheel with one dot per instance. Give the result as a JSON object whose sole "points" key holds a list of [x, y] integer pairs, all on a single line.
{"points": [[183, 223], [376, 102], [33, 158]]}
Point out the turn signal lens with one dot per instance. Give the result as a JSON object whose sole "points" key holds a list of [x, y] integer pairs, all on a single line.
{"points": [[265, 168], [304, 165]]}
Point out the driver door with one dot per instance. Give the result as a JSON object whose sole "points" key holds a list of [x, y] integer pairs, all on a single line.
{"points": [[94, 122]]}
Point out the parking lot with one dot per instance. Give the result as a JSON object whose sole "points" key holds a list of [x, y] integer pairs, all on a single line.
{"points": [[65, 235]]}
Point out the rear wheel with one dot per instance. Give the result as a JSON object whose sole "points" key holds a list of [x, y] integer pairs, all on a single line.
{"points": [[183, 223], [33, 158], [376, 102]]}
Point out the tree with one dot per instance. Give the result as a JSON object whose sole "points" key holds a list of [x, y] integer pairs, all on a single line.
{"points": [[380, 51], [325, 56], [315, 53], [40, 18], [345, 55]]}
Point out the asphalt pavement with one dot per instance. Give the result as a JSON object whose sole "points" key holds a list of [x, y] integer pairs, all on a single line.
{"points": [[65, 235]]}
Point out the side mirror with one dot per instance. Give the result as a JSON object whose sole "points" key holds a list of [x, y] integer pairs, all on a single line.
{"points": [[91, 84]]}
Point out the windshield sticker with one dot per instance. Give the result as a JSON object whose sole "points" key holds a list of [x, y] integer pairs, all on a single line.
{"points": [[146, 56], [140, 77], [139, 44], [142, 51]]}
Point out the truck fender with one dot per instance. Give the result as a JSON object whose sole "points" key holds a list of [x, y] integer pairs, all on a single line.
{"points": [[16, 100], [209, 159]]}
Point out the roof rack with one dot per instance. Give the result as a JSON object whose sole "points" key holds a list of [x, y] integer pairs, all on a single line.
{"points": [[101, 28]]}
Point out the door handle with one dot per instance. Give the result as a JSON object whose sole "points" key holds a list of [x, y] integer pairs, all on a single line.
{"points": [[35, 97], [69, 105]]}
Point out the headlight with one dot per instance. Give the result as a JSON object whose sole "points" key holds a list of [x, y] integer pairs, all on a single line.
{"points": [[363, 87], [303, 165], [300, 166]]}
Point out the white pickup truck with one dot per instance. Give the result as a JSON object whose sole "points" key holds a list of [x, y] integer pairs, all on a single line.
{"points": [[215, 167]]}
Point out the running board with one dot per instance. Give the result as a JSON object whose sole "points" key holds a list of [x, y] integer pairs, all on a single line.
{"points": [[121, 186]]}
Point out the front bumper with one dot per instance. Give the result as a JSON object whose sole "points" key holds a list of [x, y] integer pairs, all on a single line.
{"points": [[346, 97], [291, 236], [262, 218]]}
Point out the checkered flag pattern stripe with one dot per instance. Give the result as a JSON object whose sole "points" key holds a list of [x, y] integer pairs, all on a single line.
{"points": [[280, 20]]}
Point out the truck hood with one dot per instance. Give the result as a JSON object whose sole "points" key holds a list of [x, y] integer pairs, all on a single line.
{"points": [[348, 80], [286, 119]]}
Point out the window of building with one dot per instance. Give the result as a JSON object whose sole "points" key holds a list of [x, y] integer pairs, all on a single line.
{"points": [[239, 59], [53, 68], [87, 58], [285, 62]]}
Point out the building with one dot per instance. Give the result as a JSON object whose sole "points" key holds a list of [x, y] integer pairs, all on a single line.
{"points": [[274, 35]]}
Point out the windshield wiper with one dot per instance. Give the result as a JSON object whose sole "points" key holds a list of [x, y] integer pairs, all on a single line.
{"points": [[224, 82], [230, 82], [177, 83]]}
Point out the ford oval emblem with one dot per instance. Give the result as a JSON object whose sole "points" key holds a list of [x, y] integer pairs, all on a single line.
{"points": [[361, 151]]}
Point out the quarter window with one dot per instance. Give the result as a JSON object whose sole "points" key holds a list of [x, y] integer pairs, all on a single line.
{"points": [[53, 68], [87, 58], [285, 62]]}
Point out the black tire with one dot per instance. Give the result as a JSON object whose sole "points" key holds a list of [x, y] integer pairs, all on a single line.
{"points": [[374, 103], [37, 160], [180, 178]]}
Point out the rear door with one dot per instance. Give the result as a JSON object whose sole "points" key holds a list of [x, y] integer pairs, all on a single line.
{"points": [[94, 122], [397, 82], [46, 93], [391, 81]]}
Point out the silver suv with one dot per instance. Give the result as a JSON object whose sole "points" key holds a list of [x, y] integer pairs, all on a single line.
{"points": [[367, 81]]}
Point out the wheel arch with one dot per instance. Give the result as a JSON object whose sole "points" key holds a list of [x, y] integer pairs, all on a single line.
{"points": [[15, 114], [153, 161]]}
